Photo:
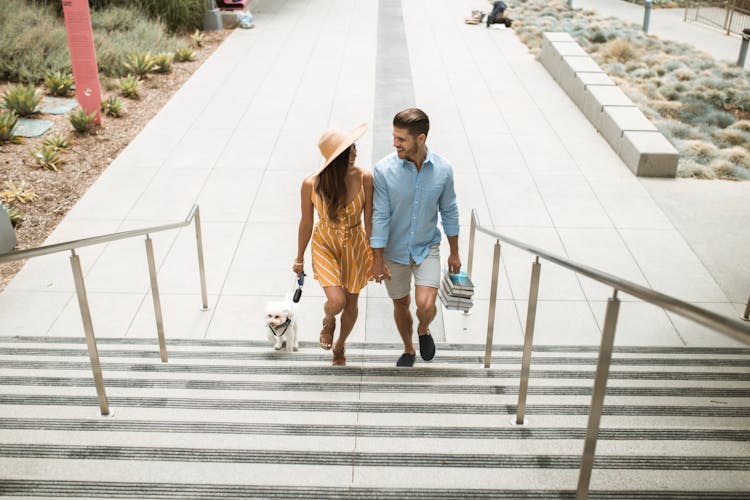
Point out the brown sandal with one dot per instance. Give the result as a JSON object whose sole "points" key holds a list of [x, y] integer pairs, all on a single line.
{"points": [[326, 334], [339, 359]]}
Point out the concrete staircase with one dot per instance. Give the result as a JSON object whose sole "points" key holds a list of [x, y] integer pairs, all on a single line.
{"points": [[231, 419]]}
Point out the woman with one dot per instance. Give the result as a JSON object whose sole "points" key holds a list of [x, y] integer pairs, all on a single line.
{"points": [[341, 257]]}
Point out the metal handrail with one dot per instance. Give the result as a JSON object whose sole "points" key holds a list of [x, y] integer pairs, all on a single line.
{"points": [[727, 326], [83, 303]]}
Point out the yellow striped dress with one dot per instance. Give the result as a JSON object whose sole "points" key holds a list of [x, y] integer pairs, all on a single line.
{"points": [[341, 255]]}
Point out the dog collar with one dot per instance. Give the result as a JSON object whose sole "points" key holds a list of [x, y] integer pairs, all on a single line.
{"points": [[285, 324]]}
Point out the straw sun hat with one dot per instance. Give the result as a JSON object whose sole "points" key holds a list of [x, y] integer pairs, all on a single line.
{"points": [[333, 142]]}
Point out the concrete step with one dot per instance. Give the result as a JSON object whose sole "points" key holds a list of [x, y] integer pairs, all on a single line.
{"points": [[236, 419]]}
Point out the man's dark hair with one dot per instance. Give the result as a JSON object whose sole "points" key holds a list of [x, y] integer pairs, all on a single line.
{"points": [[414, 120]]}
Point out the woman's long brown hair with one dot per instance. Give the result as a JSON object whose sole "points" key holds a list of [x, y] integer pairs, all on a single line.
{"points": [[332, 185]]}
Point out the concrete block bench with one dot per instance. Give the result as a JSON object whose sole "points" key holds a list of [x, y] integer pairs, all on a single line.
{"points": [[582, 80], [596, 97], [633, 137], [7, 234], [649, 154], [616, 120]]}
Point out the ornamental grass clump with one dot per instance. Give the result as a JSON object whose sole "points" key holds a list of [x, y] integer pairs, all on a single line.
{"points": [[23, 99], [59, 83]]}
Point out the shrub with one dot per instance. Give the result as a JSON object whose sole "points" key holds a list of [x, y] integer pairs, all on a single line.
{"points": [[82, 122], [112, 106], [737, 155], [48, 157], [743, 125], [16, 193], [184, 54], [129, 87], [22, 26], [8, 123], [59, 83], [701, 152], [57, 141], [23, 99], [732, 137]]}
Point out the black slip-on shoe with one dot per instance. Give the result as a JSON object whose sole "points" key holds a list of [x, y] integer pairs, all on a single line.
{"points": [[426, 347], [406, 359]]}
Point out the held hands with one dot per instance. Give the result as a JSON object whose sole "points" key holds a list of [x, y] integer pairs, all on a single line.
{"points": [[454, 263], [380, 272]]}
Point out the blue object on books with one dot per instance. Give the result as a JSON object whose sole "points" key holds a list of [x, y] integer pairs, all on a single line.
{"points": [[461, 279]]}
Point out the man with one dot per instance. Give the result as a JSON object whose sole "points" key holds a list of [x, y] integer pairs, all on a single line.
{"points": [[410, 187]]}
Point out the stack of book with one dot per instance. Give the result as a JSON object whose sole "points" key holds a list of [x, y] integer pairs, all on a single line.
{"points": [[456, 291]]}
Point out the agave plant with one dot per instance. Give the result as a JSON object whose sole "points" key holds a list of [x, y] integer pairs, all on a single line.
{"points": [[48, 157], [8, 123], [82, 122], [23, 99], [112, 106], [129, 87], [198, 38], [184, 54], [57, 141], [140, 64], [59, 83], [16, 193], [163, 63]]}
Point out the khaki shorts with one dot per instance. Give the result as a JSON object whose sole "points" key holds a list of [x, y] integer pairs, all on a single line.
{"points": [[425, 274]]}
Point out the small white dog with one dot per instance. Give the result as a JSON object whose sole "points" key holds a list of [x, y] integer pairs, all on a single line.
{"points": [[282, 326]]}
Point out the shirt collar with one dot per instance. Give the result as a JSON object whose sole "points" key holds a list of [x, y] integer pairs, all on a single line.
{"points": [[430, 158]]}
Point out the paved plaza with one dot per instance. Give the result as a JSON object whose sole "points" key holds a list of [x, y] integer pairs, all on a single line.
{"points": [[241, 134]]}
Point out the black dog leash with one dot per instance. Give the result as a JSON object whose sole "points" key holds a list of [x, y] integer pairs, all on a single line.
{"points": [[298, 291]]}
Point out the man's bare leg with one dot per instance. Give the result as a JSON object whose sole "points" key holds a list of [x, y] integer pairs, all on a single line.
{"points": [[404, 322], [425, 297]]}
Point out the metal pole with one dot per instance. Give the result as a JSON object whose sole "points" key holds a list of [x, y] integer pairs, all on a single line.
{"points": [[201, 265], [570, 4], [597, 397], [493, 298], [88, 329], [729, 9], [528, 342], [156, 298], [746, 316], [646, 15], [743, 47], [472, 233]]}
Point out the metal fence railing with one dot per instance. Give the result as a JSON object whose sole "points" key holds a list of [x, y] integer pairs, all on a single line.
{"points": [[730, 16]]}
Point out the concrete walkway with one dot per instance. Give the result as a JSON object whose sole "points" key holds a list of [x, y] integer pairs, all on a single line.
{"points": [[241, 134]]}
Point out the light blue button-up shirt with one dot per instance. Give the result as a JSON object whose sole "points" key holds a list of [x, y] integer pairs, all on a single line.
{"points": [[406, 205]]}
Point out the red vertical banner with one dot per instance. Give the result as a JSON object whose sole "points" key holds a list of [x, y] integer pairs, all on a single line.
{"points": [[83, 55]]}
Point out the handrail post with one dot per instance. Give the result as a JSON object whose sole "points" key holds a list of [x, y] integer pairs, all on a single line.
{"points": [[472, 234], [201, 265], [493, 298], [156, 298], [88, 329], [746, 316], [597, 396], [528, 342]]}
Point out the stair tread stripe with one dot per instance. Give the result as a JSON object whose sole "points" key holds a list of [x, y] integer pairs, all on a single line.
{"points": [[277, 386], [369, 371], [621, 434], [382, 345], [162, 490], [354, 357], [369, 459], [375, 407]]}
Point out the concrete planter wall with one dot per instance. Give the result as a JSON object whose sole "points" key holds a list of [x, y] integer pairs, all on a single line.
{"points": [[7, 233]]}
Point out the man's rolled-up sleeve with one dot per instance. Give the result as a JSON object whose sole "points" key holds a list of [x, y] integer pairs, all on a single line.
{"points": [[449, 207], [381, 211]]}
